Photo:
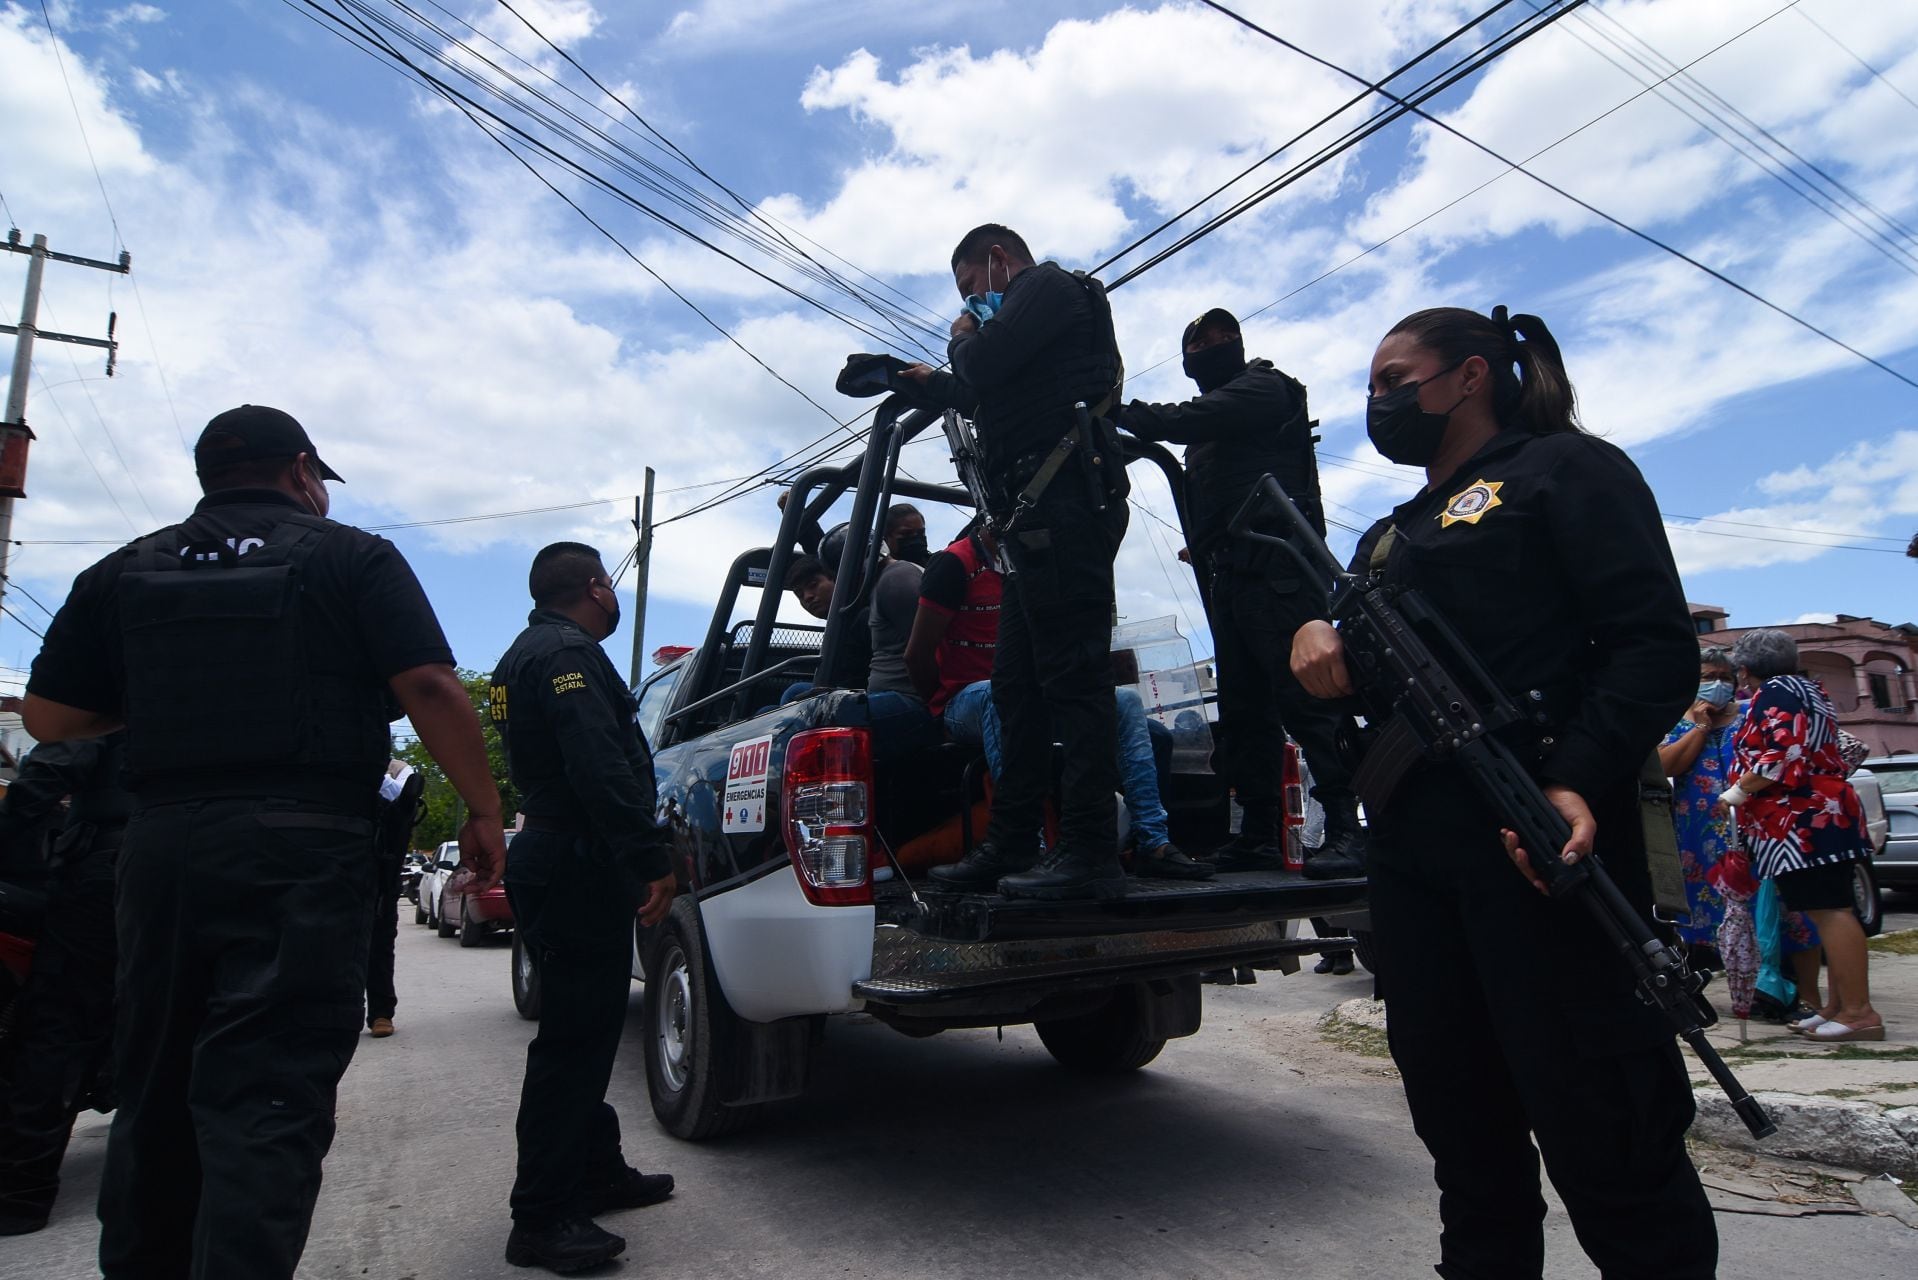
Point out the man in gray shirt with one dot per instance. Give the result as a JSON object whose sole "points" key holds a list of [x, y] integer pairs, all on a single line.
{"points": [[899, 719]]}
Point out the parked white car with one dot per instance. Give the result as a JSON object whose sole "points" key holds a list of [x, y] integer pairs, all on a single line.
{"points": [[446, 860]]}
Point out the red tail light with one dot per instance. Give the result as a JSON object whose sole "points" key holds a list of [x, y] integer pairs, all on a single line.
{"points": [[829, 814], [1294, 791]]}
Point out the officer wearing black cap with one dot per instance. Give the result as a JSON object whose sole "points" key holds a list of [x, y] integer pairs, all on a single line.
{"points": [[254, 653], [589, 855], [1036, 365], [1249, 420]]}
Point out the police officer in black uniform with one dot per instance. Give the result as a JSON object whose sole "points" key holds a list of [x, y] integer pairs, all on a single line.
{"points": [[1250, 420], [1509, 1018], [1059, 489], [254, 653], [589, 854], [63, 1024]]}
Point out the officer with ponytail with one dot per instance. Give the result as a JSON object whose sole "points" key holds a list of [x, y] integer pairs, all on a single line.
{"points": [[1249, 421], [1511, 1024]]}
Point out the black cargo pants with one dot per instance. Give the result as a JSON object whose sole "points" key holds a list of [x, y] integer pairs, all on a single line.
{"points": [[1510, 1019], [1254, 617], [1052, 672], [577, 915], [64, 1030], [243, 932]]}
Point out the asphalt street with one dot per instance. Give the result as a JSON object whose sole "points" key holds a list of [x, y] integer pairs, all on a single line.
{"points": [[1251, 1149]]}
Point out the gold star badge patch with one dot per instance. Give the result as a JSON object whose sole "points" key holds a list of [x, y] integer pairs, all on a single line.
{"points": [[1471, 503]]}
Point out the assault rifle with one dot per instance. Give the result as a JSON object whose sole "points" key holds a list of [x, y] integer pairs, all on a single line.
{"points": [[1432, 700]]}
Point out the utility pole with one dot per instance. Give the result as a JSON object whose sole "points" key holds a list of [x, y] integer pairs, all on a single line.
{"points": [[643, 522], [14, 432]]}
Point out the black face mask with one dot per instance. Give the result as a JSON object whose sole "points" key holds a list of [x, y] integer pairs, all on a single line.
{"points": [[1403, 431], [914, 549], [612, 614], [1217, 365]]}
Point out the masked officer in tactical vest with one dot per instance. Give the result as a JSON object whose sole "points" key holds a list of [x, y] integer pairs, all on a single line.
{"points": [[589, 854], [1249, 420], [254, 653], [63, 1022], [1035, 364]]}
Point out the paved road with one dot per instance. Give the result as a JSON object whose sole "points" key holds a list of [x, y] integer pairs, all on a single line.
{"points": [[1252, 1149]]}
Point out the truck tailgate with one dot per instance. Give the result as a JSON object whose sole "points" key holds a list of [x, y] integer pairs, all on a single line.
{"points": [[1150, 905]]}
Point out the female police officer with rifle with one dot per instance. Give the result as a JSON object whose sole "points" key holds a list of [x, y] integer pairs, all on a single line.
{"points": [[1509, 1012]]}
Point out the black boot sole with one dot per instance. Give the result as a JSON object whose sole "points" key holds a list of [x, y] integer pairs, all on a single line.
{"points": [[524, 1257], [1350, 869]]}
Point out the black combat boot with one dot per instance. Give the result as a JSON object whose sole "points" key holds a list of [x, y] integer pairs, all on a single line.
{"points": [[630, 1190], [1257, 847], [1067, 874], [981, 870], [572, 1245], [1342, 856]]}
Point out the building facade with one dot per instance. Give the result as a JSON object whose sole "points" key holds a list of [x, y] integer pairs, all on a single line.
{"points": [[1865, 665]]}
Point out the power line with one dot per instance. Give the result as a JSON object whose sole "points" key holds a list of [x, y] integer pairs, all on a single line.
{"points": [[81, 449], [23, 622], [1876, 74], [85, 141], [1304, 133], [1586, 205], [1750, 140], [1511, 39], [83, 380]]}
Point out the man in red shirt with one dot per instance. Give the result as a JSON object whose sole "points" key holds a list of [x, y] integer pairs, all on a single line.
{"points": [[949, 657]]}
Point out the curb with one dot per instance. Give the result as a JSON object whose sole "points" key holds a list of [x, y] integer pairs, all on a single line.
{"points": [[1850, 1134]]}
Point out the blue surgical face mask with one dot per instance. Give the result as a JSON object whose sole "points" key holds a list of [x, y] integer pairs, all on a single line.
{"points": [[1717, 692], [986, 305]]}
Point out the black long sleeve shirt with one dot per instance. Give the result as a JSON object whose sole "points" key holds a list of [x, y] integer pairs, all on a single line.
{"points": [[1547, 555], [576, 753]]}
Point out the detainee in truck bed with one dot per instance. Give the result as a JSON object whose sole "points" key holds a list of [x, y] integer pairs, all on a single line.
{"points": [[802, 857]]}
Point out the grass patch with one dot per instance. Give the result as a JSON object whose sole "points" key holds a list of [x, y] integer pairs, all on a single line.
{"points": [[1903, 942], [1367, 1042]]}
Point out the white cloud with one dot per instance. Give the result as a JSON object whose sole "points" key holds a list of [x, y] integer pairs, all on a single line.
{"points": [[1859, 497]]}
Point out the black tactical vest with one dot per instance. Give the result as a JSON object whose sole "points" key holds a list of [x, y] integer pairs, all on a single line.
{"points": [[1028, 416], [221, 691], [1220, 475]]}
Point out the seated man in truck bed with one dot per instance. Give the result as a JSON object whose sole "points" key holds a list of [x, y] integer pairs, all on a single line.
{"points": [[899, 716], [811, 581], [954, 634]]}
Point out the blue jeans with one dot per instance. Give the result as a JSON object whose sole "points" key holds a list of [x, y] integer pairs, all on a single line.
{"points": [[970, 717], [899, 723]]}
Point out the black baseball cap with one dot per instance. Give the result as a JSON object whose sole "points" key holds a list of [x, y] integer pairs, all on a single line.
{"points": [[1218, 318], [251, 432]]}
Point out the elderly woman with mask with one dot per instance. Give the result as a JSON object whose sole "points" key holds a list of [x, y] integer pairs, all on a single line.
{"points": [[1802, 821]]}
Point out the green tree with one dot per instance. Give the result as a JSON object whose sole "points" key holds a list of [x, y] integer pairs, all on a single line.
{"points": [[444, 810]]}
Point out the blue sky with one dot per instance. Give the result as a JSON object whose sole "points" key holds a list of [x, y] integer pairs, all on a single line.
{"points": [[311, 230]]}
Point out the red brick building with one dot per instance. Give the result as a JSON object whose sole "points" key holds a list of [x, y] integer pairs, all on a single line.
{"points": [[1866, 666]]}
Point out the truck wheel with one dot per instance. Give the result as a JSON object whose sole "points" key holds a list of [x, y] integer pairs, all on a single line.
{"points": [[472, 932], [689, 1030], [1366, 950], [442, 926], [1106, 1042], [1865, 899], [525, 980], [419, 912]]}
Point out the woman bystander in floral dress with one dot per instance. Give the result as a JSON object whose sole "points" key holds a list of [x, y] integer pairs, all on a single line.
{"points": [[1801, 821]]}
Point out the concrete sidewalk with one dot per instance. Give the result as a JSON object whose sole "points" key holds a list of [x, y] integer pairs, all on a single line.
{"points": [[1851, 1105]]}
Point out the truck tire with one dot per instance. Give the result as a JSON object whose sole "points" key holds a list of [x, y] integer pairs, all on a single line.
{"points": [[1865, 899], [689, 1031], [472, 932], [525, 980], [1107, 1042], [419, 912], [1366, 950], [442, 926]]}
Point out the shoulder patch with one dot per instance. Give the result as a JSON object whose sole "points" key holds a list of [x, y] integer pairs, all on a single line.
{"points": [[1469, 505], [569, 682]]}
